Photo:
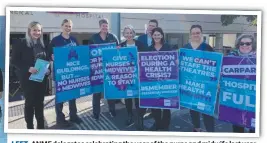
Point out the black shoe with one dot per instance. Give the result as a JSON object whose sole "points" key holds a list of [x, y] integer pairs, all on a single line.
{"points": [[129, 121], [76, 120], [30, 126], [154, 128], [63, 124], [95, 117], [140, 124], [112, 114], [164, 129]]}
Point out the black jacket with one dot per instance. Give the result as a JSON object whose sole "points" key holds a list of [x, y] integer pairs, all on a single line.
{"points": [[140, 46], [165, 47], [22, 59]]}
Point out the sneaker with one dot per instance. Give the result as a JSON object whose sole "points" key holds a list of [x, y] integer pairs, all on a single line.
{"points": [[76, 120]]}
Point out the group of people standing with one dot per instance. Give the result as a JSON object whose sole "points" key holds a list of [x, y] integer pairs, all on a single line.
{"points": [[27, 50]]}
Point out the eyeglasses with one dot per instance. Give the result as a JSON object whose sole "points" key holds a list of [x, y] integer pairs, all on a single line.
{"points": [[195, 33], [245, 43]]}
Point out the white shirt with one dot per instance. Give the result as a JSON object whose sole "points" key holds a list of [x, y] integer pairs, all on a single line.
{"points": [[149, 40], [130, 45]]}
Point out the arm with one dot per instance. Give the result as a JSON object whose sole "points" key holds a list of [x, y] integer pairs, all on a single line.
{"points": [[16, 59], [51, 45], [91, 40], [139, 38], [209, 48], [116, 39], [77, 43]]}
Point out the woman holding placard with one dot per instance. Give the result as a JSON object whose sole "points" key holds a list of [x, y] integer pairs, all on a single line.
{"points": [[129, 34], [65, 39], [245, 47], [197, 43], [162, 117], [24, 55]]}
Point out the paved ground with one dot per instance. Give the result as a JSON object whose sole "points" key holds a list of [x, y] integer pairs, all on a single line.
{"points": [[180, 122]]}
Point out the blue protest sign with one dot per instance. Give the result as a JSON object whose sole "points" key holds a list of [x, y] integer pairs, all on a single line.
{"points": [[120, 69], [72, 72], [199, 78], [96, 72]]}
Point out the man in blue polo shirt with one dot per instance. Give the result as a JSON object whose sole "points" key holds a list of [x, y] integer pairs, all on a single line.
{"points": [[104, 36]]}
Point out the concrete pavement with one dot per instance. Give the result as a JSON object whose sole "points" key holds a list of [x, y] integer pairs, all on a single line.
{"points": [[181, 121]]}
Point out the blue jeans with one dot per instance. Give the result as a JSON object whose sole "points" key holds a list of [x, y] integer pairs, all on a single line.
{"points": [[96, 104], [72, 109]]}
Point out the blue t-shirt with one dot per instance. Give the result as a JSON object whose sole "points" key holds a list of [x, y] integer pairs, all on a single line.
{"points": [[60, 41], [203, 47]]}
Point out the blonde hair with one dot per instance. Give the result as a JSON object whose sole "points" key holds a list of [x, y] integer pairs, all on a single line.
{"points": [[66, 21], [131, 28], [28, 36]]}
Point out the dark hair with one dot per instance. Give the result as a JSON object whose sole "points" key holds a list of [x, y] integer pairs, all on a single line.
{"points": [[196, 26], [158, 29], [251, 37], [103, 21], [154, 21]]}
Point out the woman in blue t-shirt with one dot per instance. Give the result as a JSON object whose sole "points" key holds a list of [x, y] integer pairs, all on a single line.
{"points": [[245, 47], [64, 39], [197, 43]]}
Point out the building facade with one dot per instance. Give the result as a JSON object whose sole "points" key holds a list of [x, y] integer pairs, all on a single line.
{"points": [[176, 26]]}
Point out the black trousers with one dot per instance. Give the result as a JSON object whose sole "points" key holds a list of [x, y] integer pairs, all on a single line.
{"points": [[209, 121], [129, 107], [162, 118], [238, 129], [96, 105], [34, 93]]}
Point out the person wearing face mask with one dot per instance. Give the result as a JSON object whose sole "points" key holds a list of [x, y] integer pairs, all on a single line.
{"points": [[104, 36], [197, 43], [162, 117], [65, 39], [129, 34], [245, 47], [24, 55]]}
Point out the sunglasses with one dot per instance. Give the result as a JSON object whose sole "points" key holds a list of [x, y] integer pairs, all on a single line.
{"points": [[245, 43]]}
